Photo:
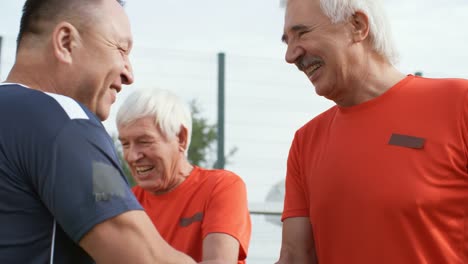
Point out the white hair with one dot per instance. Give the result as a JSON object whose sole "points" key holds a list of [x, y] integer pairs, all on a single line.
{"points": [[379, 26], [167, 109]]}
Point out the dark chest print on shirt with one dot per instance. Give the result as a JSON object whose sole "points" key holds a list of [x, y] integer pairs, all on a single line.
{"points": [[186, 221]]}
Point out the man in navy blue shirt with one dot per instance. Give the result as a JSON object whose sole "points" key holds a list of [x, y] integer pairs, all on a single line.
{"points": [[63, 196]]}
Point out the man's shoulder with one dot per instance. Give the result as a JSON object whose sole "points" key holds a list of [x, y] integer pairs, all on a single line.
{"points": [[442, 92], [26, 103], [218, 179], [217, 174], [318, 122], [70, 107], [16, 95], [46, 118], [446, 85]]}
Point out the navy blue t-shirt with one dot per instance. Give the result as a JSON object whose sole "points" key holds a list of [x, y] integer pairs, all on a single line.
{"points": [[59, 177]]}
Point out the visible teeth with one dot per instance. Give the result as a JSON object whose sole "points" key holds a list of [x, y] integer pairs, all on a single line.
{"points": [[311, 70], [144, 169]]}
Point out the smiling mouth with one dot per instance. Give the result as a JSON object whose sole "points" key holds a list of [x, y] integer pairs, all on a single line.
{"points": [[143, 169], [311, 70]]}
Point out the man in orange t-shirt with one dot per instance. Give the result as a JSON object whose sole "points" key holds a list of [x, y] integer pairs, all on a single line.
{"points": [[200, 212], [382, 177]]}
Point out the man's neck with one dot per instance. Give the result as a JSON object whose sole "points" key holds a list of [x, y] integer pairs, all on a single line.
{"points": [[374, 79], [31, 77]]}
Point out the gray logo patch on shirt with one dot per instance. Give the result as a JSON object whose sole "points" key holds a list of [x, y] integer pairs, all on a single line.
{"points": [[106, 182], [198, 217], [406, 141]]}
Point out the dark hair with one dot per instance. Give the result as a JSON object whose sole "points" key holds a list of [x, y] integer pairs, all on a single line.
{"points": [[38, 12]]}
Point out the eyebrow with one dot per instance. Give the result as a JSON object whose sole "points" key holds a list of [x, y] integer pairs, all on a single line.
{"points": [[294, 29]]}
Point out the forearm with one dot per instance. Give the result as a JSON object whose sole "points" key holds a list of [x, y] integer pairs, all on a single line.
{"points": [[297, 256], [130, 238], [168, 255], [181, 258], [219, 248], [298, 245]]}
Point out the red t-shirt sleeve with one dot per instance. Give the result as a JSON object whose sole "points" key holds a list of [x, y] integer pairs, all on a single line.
{"points": [[464, 125], [295, 201], [227, 211]]}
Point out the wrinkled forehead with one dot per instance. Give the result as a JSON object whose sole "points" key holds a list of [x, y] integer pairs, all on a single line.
{"points": [[302, 12], [138, 127]]}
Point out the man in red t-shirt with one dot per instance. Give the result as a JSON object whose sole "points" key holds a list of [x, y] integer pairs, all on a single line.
{"points": [[200, 212], [381, 177]]}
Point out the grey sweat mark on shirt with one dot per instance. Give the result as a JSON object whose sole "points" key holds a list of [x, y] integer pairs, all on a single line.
{"points": [[106, 182]]}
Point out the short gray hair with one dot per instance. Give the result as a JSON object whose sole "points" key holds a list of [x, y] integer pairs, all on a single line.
{"points": [[379, 26], [168, 111]]}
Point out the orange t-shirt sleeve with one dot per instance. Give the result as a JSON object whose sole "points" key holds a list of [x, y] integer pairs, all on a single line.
{"points": [[464, 121], [295, 201], [227, 211]]}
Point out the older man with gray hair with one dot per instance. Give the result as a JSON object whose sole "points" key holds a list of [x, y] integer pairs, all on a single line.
{"points": [[381, 177], [200, 212]]}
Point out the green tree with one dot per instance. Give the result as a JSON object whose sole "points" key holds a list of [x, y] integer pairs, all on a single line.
{"points": [[204, 137], [202, 150]]}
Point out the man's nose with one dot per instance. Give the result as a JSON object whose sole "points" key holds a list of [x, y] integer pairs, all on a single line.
{"points": [[131, 154], [127, 73], [293, 53]]}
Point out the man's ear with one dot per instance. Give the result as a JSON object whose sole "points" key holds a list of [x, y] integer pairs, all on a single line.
{"points": [[360, 26], [65, 39], [183, 137]]}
